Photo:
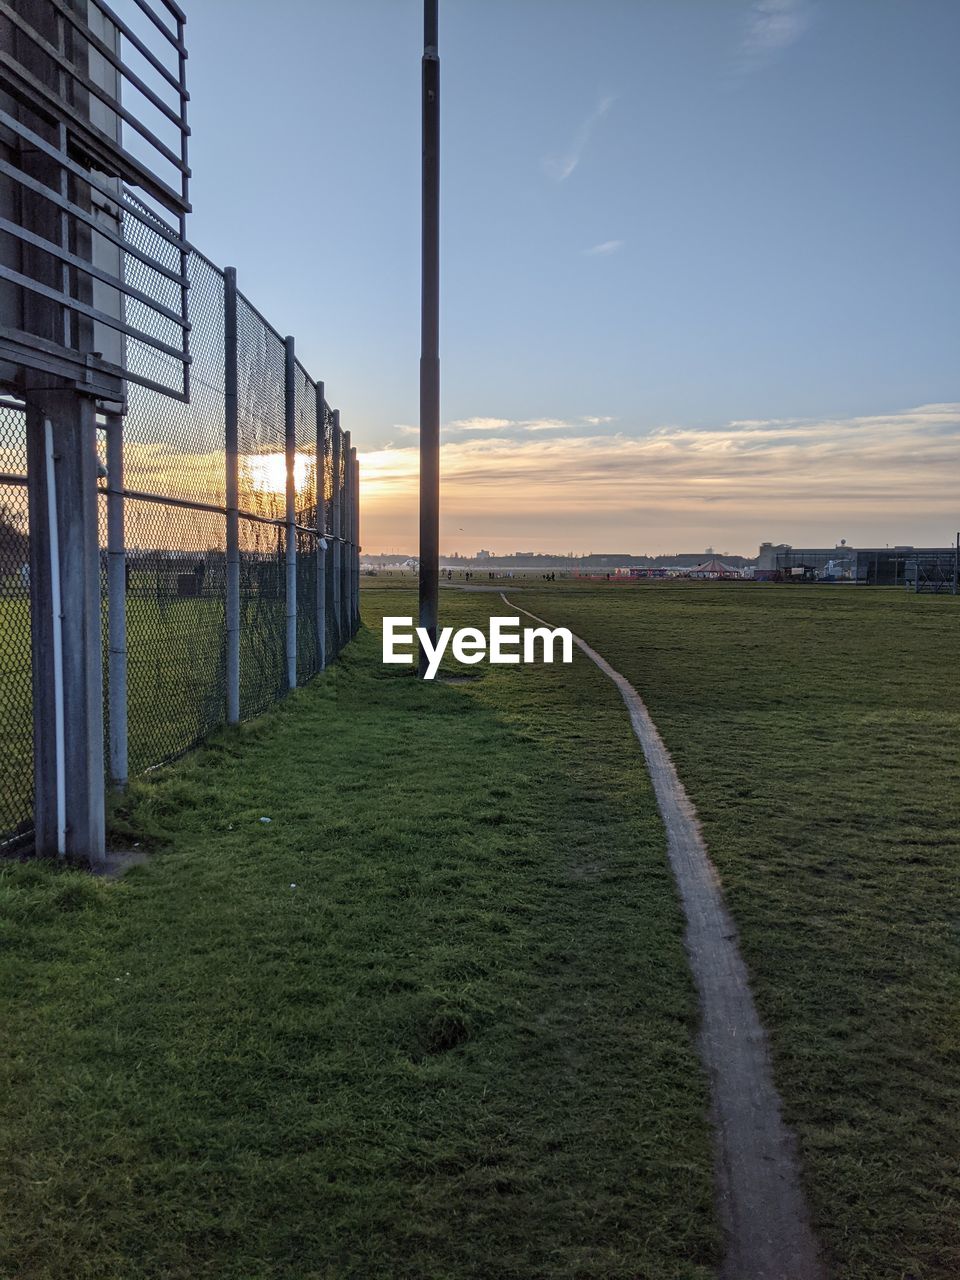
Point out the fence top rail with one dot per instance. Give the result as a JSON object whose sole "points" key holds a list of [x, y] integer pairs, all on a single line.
{"points": [[311, 385]]}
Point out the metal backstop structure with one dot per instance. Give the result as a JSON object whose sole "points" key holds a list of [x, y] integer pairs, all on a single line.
{"points": [[227, 550], [178, 502]]}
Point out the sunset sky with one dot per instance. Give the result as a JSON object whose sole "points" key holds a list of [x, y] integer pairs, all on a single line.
{"points": [[700, 260]]}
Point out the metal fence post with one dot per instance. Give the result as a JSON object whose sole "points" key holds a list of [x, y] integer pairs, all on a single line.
{"points": [[290, 448], [232, 463], [116, 604], [356, 510], [359, 546], [321, 528], [67, 645], [346, 506], [336, 527], [354, 541]]}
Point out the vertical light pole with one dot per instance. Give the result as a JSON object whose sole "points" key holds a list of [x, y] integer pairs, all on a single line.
{"points": [[430, 332]]}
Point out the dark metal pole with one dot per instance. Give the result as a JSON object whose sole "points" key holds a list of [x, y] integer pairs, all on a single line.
{"points": [[322, 452], [232, 489], [356, 524], [336, 444], [290, 451], [346, 554], [430, 332], [354, 544]]}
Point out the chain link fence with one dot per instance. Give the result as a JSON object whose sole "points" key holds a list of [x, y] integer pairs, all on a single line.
{"points": [[218, 572], [16, 736]]}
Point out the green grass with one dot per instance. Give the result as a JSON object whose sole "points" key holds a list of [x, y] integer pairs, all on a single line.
{"points": [[462, 1046], [176, 676], [817, 732], [16, 741]]}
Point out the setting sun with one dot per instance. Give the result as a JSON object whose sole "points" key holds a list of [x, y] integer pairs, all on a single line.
{"points": [[267, 472]]}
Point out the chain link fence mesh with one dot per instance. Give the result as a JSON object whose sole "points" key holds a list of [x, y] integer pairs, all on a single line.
{"points": [[176, 637], [176, 547], [148, 235], [305, 480], [16, 699], [261, 435], [175, 532]]}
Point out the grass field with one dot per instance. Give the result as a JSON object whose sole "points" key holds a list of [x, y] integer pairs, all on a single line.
{"points": [[462, 1046], [176, 673], [818, 732]]}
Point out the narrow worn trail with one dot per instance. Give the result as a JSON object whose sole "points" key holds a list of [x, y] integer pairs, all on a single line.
{"points": [[760, 1200]]}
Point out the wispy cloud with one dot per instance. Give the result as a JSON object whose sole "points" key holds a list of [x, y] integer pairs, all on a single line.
{"points": [[771, 26], [597, 422], [603, 249], [879, 478], [506, 426], [559, 167], [545, 424], [478, 424]]}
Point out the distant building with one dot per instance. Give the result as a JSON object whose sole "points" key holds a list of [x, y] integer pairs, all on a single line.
{"points": [[767, 557], [868, 566]]}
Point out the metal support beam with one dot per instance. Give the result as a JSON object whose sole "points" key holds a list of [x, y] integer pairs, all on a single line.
{"points": [[346, 559], [355, 538], [290, 441], [232, 490], [430, 331], [66, 638], [336, 528], [116, 604], [322, 455]]}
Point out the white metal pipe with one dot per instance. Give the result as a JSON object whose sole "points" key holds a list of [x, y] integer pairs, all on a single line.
{"points": [[57, 611], [116, 603]]}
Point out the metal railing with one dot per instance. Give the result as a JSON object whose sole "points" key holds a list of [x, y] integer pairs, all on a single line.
{"points": [[97, 251], [228, 534]]}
